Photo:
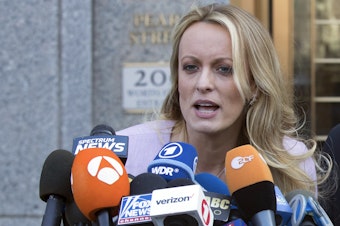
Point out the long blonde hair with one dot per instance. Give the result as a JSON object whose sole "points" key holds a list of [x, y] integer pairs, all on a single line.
{"points": [[256, 70]]}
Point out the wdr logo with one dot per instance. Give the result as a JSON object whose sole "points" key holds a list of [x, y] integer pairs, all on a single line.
{"points": [[171, 150], [107, 174]]}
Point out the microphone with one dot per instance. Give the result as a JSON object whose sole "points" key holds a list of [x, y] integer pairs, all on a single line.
{"points": [[99, 180], [236, 222], [175, 160], [218, 196], [179, 182], [102, 129], [73, 215], [135, 209], [283, 210], [103, 136], [212, 183], [306, 210], [145, 183], [223, 208], [55, 186], [251, 184], [184, 205]]}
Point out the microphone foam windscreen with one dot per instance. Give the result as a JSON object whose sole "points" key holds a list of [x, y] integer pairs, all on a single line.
{"points": [[145, 183], [179, 182], [250, 180], [55, 175], [255, 198], [102, 129], [212, 183], [99, 180]]}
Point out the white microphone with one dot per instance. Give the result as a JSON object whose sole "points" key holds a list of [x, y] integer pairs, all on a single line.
{"points": [[184, 205]]}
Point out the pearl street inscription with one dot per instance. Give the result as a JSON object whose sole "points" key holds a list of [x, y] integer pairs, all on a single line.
{"points": [[152, 29]]}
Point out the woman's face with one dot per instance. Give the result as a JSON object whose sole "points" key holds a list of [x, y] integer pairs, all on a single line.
{"points": [[209, 99]]}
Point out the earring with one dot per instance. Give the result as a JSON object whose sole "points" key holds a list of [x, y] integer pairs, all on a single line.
{"points": [[252, 101], [253, 98]]}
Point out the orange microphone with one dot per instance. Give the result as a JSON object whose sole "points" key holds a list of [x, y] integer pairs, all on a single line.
{"points": [[251, 184], [99, 180]]}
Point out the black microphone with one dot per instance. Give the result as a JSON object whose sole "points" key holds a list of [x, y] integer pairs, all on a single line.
{"points": [[103, 136], [179, 182], [55, 185], [135, 208], [102, 129], [145, 183], [74, 217]]}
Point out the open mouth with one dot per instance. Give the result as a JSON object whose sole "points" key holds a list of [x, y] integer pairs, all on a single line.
{"points": [[206, 107]]}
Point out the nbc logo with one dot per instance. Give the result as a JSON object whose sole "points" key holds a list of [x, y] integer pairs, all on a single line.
{"points": [[108, 175]]}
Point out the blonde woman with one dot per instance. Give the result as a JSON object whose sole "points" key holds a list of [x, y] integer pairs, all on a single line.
{"points": [[228, 90]]}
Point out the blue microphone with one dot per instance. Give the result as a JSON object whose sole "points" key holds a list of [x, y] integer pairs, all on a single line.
{"points": [[212, 183], [217, 194], [224, 208], [306, 210], [283, 210], [236, 222], [175, 160]]}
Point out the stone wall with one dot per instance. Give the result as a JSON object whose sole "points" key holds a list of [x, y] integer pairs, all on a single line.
{"points": [[61, 68]]}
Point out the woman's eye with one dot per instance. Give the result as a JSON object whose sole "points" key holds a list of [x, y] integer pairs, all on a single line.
{"points": [[226, 70], [189, 67]]}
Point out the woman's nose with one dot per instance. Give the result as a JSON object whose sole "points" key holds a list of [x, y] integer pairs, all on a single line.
{"points": [[205, 81]]}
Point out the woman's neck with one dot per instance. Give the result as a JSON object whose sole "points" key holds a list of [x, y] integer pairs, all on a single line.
{"points": [[211, 149]]}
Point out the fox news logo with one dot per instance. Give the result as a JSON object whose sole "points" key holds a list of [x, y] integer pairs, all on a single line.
{"points": [[135, 209], [118, 144]]}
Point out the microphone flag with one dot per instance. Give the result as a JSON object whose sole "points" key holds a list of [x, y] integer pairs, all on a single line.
{"points": [[189, 200]]}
